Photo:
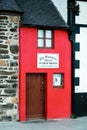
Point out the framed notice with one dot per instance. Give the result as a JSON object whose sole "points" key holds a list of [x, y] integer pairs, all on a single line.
{"points": [[58, 80], [46, 60]]}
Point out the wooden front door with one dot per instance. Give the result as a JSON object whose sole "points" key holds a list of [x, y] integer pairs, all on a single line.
{"points": [[35, 92]]}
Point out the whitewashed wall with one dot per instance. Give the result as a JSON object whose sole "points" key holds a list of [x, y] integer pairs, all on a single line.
{"points": [[62, 7], [82, 55]]}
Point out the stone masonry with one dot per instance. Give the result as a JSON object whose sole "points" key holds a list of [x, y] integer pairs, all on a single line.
{"points": [[9, 58]]}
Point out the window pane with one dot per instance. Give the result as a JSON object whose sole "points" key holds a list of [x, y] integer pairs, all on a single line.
{"points": [[48, 34], [40, 43], [48, 43], [58, 80], [40, 33]]}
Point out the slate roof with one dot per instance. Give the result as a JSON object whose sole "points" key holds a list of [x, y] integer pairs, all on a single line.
{"points": [[40, 13], [9, 6]]}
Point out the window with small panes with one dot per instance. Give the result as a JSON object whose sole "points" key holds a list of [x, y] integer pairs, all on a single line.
{"points": [[45, 38]]}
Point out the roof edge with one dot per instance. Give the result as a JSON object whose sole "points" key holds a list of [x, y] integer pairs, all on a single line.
{"points": [[49, 27], [10, 12]]}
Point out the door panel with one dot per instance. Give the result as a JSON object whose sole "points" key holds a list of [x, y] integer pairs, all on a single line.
{"points": [[35, 99]]}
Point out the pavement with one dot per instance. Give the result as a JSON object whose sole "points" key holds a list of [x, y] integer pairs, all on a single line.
{"points": [[57, 124]]}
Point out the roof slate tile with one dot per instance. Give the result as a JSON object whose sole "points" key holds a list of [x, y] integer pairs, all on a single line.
{"points": [[9, 5], [40, 13]]}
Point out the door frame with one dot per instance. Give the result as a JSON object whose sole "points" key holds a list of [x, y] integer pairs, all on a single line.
{"points": [[45, 93]]}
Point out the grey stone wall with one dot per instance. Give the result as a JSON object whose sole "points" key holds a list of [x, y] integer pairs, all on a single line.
{"points": [[9, 56]]}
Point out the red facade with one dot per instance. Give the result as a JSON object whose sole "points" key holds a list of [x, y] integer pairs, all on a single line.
{"points": [[58, 100]]}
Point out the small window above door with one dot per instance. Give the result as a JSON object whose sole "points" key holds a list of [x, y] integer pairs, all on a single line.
{"points": [[45, 38]]}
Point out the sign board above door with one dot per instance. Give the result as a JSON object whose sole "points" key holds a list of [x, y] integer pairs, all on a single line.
{"points": [[47, 60]]}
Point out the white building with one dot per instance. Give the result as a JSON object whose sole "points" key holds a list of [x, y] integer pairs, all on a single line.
{"points": [[75, 14]]}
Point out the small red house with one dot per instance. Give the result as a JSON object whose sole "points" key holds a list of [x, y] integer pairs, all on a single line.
{"points": [[45, 62]]}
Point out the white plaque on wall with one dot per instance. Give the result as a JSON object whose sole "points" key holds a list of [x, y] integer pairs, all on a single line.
{"points": [[47, 60]]}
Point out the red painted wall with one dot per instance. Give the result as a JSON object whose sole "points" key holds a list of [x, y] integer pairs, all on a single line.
{"points": [[58, 100]]}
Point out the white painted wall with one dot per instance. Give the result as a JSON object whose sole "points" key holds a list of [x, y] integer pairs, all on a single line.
{"points": [[82, 56], [62, 7]]}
